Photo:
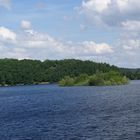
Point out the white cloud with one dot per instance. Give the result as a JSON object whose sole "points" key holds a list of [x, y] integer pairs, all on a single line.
{"points": [[92, 48], [131, 25], [25, 24], [35, 45], [110, 12], [131, 45], [6, 4], [95, 5], [6, 34]]}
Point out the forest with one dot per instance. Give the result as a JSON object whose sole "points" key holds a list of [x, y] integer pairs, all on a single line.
{"points": [[16, 72]]}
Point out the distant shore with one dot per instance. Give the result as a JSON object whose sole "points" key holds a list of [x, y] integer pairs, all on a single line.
{"points": [[41, 83], [28, 72]]}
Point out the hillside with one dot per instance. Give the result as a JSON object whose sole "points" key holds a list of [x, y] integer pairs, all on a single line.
{"points": [[13, 71]]}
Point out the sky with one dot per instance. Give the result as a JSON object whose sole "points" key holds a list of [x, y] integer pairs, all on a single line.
{"points": [[98, 30]]}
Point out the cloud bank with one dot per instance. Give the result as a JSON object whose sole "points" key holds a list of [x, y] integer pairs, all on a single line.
{"points": [[122, 15], [110, 12], [35, 45]]}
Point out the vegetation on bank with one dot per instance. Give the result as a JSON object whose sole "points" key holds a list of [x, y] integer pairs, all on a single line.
{"points": [[15, 72], [98, 79], [133, 74]]}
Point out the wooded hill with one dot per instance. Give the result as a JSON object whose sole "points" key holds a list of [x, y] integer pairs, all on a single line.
{"points": [[13, 71]]}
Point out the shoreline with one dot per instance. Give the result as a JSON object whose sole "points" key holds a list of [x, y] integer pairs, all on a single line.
{"points": [[42, 83]]}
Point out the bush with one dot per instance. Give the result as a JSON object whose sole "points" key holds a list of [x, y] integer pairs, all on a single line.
{"points": [[67, 81], [98, 79], [81, 78]]}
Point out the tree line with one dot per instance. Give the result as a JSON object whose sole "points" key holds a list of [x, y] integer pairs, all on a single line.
{"points": [[14, 72]]}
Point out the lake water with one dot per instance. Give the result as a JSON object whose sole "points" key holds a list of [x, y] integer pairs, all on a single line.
{"points": [[50, 112]]}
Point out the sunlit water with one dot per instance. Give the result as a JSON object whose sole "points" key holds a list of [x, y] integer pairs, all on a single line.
{"points": [[50, 112]]}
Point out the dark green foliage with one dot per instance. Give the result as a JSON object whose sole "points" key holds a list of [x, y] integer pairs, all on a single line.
{"points": [[96, 80], [13, 71], [133, 74], [81, 78]]}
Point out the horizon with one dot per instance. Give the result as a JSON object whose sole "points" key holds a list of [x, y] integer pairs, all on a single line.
{"points": [[67, 59], [102, 31]]}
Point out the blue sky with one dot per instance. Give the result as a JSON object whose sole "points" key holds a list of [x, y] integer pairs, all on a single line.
{"points": [[98, 30]]}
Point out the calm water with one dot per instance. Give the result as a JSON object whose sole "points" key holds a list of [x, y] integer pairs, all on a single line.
{"points": [[49, 112]]}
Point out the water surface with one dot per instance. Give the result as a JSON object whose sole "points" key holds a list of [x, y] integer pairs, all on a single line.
{"points": [[50, 112]]}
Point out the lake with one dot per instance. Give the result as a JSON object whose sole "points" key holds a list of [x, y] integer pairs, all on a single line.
{"points": [[50, 112]]}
